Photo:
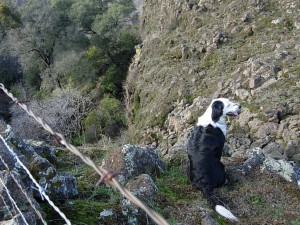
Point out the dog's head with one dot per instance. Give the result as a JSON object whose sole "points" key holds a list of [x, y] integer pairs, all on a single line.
{"points": [[224, 107]]}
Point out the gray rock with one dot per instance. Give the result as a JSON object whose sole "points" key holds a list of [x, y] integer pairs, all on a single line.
{"points": [[255, 82], [245, 117], [34, 155], [133, 160], [274, 150], [105, 213], [178, 152], [285, 169], [144, 188], [8, 214], [18, 219], [60, 187], [262, 130], [289, 170], [43, 150], [254, 157], [243, 94], [292, 148]]}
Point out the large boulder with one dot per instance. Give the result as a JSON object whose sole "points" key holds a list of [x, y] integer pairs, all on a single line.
{"points": [[40, 160], [135, 166], [288, 170], [41, 163], [145, 189], [133, 160]]}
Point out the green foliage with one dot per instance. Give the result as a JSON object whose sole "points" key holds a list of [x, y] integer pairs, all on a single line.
{"points": [[116, 42], [112, 113], [111, 81], [70, 70], [32, 75], [256, 200], [8, 18], [295, 222], [98, 58], [78, 140], [124, 48], [16, 91], [176, 179], [220, 220], [92, 124], [79, 44], [209, 60], [87, 212], [9, 70], [111, 21], [6, 76], [107, 119]]}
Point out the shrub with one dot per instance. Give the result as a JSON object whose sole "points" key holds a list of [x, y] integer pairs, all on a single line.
{"points": [[92, 126], [113, 118], [111, 81], [63, 112], [107, 119]]}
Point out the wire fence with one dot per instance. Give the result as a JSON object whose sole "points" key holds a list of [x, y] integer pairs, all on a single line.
{"points": [[105, 175], [13, 201], [20, 186], [39, 188]]}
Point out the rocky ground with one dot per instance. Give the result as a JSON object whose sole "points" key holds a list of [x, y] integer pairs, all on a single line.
{"points": [[248, 51]]}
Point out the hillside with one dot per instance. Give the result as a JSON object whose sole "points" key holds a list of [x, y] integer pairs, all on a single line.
{"points": [[248, 51], [191, 51]]}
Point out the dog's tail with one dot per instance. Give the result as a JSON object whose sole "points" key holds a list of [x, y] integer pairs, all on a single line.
{"points": [[217, 205]]}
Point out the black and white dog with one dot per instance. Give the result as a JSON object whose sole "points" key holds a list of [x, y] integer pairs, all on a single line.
{"points": [[205, 147]]}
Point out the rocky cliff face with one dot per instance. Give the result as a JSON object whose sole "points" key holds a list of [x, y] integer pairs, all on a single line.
{"points": [[193, 51]]}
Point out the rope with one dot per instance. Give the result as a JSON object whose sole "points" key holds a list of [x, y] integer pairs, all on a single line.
{"points": [[40, 189], [157, 218]]}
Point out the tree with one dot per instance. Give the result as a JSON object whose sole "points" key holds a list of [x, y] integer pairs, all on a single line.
{"points": [[69, 70], [42, 39], [8, 18], [10, 70]]}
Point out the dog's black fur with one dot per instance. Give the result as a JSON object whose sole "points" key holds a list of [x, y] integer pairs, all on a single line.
{"points": [[206, 172]]}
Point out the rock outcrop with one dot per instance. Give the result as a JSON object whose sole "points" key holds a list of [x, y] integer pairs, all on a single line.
{"points": [[40, 160], [193, 52], [136, 166]]}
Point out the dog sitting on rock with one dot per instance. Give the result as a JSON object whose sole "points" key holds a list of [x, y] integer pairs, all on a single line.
{"points": [[205, 147]]}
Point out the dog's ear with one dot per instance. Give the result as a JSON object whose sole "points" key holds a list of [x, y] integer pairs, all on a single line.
{"points": [[217, 110]]}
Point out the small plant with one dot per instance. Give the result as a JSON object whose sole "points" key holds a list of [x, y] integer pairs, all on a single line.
{"points": [[256, 200], [209, 60]]}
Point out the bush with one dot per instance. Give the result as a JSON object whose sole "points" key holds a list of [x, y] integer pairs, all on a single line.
{"points": [[111, 81], [92, 126], [108, 119], [112, 110], [63, 112]]}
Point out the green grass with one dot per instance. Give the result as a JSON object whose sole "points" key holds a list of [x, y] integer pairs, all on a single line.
{"points": [[295, 222], [171, 184], [87, 212]]}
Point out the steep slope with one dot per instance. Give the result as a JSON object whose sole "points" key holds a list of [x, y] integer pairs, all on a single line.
{"points": [[247, 50], [194, 51]]}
